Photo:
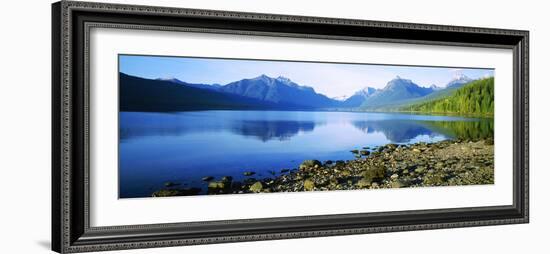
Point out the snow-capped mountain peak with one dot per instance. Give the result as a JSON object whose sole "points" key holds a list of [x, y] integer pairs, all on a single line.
{"points": [[459, 80], [284, 79], [461, 76], [366, 92]]}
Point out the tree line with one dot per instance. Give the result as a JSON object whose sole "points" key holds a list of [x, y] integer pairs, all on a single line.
{"points": [[474, 98]]}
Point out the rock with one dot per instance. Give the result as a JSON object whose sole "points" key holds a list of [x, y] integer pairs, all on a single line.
{"points": [[249, 173], [363, 182], [309, 185], [397, 184], [256, 187], [329, 162], [307, 164], [208, 178], [176, 192], [434, 180], [394, 170], [217, 185], [394, 176], [365, 152], [285, 170], [227, 179], [165, 193], [170, 184], [416, 150], [355, 151], [272, 172], [374, 185], [419, 170], [375, 173], [321, 182], [345, 173]]}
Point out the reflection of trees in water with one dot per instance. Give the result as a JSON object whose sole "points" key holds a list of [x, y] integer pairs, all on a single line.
{"points": [[270, 130], [398, 131], [403, 131], [482, 128]]}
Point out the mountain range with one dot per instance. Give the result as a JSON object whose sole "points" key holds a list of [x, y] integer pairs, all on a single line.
{"points": [[264, 92], [279, 90], [139, 94], [397, 90], [357, 99]]}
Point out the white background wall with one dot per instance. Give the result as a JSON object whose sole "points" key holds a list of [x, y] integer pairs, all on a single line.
{"points": [[25, 125]]}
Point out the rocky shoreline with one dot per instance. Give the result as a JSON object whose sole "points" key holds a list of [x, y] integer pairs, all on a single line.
{"points": [[445, 163]]}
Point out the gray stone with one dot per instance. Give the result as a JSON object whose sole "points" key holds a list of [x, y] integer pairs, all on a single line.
{"points": [[308, 164]]}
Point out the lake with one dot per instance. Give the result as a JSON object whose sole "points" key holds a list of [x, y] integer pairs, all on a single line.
{"points": [[184, 147]]}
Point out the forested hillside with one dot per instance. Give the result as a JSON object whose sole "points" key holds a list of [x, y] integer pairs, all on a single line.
{"points": [[475, 98]]}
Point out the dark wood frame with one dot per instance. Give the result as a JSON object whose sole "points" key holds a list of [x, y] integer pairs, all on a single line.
{"points": [[71, 22]]}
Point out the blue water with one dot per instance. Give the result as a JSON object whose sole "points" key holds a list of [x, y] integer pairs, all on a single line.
{"points": [[184, 147]]}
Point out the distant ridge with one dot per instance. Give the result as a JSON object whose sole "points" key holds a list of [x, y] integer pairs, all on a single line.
{"points": [[139, 94], [264, 92], [214, 87]]}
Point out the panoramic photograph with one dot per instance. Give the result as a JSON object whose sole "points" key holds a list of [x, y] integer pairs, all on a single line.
{"points": [[208, 126]]}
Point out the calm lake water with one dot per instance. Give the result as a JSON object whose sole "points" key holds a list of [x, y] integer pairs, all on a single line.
{"points": [[184, 147]]}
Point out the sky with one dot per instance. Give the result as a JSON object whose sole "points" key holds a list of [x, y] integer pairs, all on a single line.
{"points": [[331, 79]]}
